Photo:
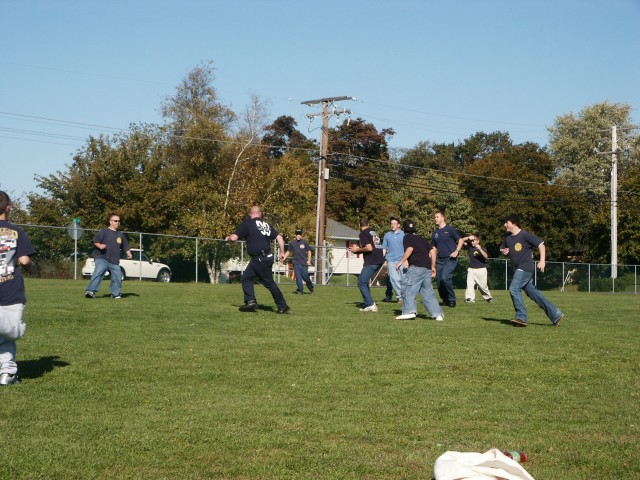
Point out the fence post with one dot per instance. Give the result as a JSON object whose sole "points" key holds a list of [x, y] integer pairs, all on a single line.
{"points": [[506, 275], [140, 258], [197, 259]]}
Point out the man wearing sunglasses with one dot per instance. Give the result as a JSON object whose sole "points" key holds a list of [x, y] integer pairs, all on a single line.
{"points": [[107, 244]]}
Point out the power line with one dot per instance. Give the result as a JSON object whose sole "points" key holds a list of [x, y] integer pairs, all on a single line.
{"points": [[74, 124]]}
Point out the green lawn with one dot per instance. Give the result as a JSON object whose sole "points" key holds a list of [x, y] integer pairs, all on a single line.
{"points": [[172, 382]]}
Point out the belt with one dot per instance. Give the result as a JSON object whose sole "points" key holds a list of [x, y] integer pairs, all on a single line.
{"points": [[261, 253], [6, 278]]}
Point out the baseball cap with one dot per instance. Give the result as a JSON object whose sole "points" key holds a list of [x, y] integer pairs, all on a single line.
{"points": [[408, 226], [298, 231]]}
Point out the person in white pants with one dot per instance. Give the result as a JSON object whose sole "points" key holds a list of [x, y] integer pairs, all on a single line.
{"points": [[15, 250], [477, 271]]}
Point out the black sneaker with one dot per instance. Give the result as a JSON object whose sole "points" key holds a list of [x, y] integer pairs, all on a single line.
{"points": [[250, 306], [284, 309], [311, 292], [89, 294], [298, 292], [387, 300]]}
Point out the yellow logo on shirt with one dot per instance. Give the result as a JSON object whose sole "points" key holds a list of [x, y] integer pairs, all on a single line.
{"points": [[119, 240], [517, 247]]}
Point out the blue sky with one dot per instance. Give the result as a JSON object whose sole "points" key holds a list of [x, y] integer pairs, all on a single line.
{"points": [[432, 70]]}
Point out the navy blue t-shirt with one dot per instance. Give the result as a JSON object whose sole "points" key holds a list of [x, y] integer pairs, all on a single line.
{"points": [[445, 239], [258, 235], [13, 245], [368, 236], [114, 240], [299, 250], [520, 250], [476, 259], [421, 248]]}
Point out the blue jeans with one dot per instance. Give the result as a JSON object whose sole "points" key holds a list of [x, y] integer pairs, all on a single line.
{"points": [[444, 279], [396, 277], [261, 266], [524, 281], [363, 283], [115, 273], [302, 274], [418, 280]]}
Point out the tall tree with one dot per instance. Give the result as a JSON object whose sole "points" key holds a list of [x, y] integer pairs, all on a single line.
{"points": [[282, 136], [574, 140], [359, 162]]}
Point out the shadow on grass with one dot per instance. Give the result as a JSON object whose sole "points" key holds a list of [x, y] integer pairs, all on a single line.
{"points": [[123, 295], [501, 320], [38, 368]]}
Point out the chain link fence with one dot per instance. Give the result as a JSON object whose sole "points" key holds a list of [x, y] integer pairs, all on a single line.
{"points": [[209, 260]]}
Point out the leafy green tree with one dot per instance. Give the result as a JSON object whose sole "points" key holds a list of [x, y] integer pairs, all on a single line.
{"points": [[123, 173], [629, 217], [282, 136], [517, 180], [574, 139], [437, 156], [361, 180], [575, 142], [481, 144]]}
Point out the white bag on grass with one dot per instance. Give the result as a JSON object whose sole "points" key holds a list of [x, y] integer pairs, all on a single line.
{"points": [[491, 465]]}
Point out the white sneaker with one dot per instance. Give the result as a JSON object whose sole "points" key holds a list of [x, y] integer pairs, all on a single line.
{"points": [[406, 316], [370, 308], [9, 379], [440, 318]]}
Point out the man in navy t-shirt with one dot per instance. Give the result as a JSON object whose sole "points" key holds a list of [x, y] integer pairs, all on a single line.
{"points": [[419, 255], [448, 244], [15, 249], [301, 251], [258, 234], [371, 250], [518, 245], [107, 244]]}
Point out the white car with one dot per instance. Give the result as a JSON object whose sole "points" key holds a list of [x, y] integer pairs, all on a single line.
{"points": [[140, 266]]}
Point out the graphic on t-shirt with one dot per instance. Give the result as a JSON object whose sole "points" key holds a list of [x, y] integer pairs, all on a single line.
{"points": [[264, 228], [8, 246], [376, 239], [517, 246]]}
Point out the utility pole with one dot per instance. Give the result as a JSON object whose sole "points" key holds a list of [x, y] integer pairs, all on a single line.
{"points": [[615, 151], [614, 201], [323, 176]]}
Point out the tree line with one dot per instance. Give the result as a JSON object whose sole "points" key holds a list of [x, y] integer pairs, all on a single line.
{"points": [[197, 173]]}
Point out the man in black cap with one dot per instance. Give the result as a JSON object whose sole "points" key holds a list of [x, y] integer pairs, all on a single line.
{"points": [[518, 245], [301, 261], [258, 235]]}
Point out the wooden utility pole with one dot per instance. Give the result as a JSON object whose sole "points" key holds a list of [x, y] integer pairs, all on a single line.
{"points": [[323, 176]]}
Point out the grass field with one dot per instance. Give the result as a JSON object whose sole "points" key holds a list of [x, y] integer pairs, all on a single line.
{"points": [[172, 382]]}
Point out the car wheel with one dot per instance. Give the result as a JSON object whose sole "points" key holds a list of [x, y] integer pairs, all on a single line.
{"points": [[164, 276]]}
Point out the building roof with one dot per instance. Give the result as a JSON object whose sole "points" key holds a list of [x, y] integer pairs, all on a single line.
{"points": [[338, 231]]}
